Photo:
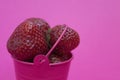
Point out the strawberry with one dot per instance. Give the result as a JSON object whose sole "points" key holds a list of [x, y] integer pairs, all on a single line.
{"points": [[68, 42], [59, 57], [28, 39]]}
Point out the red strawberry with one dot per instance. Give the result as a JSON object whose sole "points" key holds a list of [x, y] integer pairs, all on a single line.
{"points": [[68, 42], [59, 57], [28, 39]]}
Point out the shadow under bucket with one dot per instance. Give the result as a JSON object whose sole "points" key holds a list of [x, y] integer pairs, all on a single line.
{"points": [[42, 70]]}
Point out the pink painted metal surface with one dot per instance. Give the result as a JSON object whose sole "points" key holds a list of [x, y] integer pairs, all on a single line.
{"points": [[42, 71]]}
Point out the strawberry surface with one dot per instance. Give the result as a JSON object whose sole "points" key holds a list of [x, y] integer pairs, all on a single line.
{"points": [[59, 57], [28, 39], [68, 42]]}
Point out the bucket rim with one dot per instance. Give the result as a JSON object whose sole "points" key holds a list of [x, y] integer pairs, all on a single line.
{"points": [[50, 64]]}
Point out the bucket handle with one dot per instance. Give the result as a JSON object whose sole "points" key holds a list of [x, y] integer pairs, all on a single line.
{"points": [[43, 59]]}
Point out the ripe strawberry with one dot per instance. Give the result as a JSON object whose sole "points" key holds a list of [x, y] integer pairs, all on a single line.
{"points": [[59, 57], [68, 42], [28, 39]]}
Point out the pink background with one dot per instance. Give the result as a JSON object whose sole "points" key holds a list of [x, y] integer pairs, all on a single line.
{"points": [[97, 21]]}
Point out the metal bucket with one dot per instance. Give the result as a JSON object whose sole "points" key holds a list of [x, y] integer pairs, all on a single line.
{"points": [[41, 69]]}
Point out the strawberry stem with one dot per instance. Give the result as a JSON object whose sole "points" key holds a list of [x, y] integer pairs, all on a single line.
{"points": [[48, 37]]}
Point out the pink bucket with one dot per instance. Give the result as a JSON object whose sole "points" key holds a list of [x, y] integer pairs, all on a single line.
{"points": [[42, 71]]}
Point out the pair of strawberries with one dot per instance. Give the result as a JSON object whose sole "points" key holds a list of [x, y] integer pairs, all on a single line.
{"points": [[34, 36]]}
